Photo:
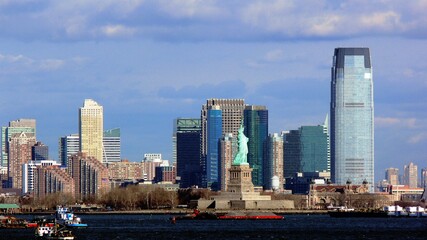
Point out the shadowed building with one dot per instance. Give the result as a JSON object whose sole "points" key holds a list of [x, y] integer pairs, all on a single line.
{"points": [[52, 179], [90, 176], [39, 152], [352, 117], [188, 132], [392, 176], [214, 133], [256, 129]]}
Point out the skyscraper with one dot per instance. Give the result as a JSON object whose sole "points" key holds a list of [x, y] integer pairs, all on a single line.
{"points": [[111, 144], [256, 129], [274, 163], [68, 146], [214, 134], [39, 152], [188, 151], [423, 182], [18, 126], [392, 176], [292, 153], [19, 150], [352, 117], [227, 152], [315, 149], [410, 175], [307, 150], [91, 129], [232, 115]]}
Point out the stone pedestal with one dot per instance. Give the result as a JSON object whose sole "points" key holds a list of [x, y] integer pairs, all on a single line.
{"points": [[240, 179]]}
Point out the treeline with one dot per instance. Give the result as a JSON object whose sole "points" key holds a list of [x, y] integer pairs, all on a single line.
{"points": [[124, 199]]}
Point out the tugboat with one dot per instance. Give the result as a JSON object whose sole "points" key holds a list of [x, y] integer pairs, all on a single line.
{"points": [[55, 232], [66, 217]]}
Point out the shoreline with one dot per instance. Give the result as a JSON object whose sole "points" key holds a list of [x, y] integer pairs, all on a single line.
{"points": [[179, 212]]}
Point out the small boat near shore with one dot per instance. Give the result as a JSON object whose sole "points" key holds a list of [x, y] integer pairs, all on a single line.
{"points": [[55, 232], [12, 222], [66, 217]]}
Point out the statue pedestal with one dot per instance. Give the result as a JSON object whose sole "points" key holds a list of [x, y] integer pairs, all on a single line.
{"points": [[240, 179]]}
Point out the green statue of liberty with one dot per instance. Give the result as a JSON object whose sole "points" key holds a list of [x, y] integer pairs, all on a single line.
{"points": [[242, 155]]}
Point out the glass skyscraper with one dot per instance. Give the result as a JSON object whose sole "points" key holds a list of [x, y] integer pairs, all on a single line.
{"points": [[352, 117], [214, 134], [256, 129], [188, 133]]}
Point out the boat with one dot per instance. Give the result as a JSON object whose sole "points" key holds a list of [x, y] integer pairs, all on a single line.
{"points": [[55, 232], [12, 222], [387, 211], [251, 216], [66, 217], [197, 215], [41, 220]]}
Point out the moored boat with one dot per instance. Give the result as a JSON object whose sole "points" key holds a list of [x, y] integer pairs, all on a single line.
{"points": [[55, 232], [12, 222], [197, 215], [66, 217]]}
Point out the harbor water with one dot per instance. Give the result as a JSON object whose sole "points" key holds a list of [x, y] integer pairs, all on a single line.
{"points": [[130, 227]]}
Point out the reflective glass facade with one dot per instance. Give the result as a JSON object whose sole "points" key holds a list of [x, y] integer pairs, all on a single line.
{"points": [[352, 117], [314, 149], [256, 129], [214, 134]]}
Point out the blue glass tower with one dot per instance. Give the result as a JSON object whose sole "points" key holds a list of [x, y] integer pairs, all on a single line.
{"points": [[214, 134], [352, 117]]}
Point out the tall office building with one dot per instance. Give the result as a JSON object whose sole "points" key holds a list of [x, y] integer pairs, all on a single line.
{"points": [[410, 175], [352, 117], [111, 143], [19, 151], [39, 152], [188, 132], [292, 153], [274, 163], [214, 134], [315, 148], [392, 176], [91, 129], [307, 150], [68, 146], [256, 129], [232, 115], [227, 152], [18, 126], [52, 179]]}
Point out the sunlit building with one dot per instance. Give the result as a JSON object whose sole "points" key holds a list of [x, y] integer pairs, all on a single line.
{"points": [[352, 117], [91, 129]]}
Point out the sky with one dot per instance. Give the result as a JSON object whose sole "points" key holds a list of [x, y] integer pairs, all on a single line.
{"points": [[148, 62]]}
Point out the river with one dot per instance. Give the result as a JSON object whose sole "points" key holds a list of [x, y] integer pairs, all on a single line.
{"points": [[130, 227]]}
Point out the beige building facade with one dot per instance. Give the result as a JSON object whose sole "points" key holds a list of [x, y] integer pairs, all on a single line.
{"points": [[91, 129]]}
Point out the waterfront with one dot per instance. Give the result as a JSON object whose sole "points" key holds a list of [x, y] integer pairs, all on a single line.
{"points": [[132, 227]]}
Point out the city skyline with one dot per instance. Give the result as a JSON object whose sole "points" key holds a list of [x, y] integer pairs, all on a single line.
{"points": [[149, 62]]}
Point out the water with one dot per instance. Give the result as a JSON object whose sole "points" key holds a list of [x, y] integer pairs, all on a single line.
{"points": [[130, 227]]}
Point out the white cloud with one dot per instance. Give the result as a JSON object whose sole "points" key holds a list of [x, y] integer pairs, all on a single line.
{"points": [[418, 138], [19, 63], [117, 31], [395, 122], [386, 21], [191, 8]]}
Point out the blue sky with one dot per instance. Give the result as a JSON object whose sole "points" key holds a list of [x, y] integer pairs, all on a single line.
{"points": [[150, 61]]}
